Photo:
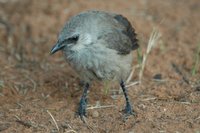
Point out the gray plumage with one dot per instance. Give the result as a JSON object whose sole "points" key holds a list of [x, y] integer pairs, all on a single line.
{"points": [[104, 45], [98, 45]]}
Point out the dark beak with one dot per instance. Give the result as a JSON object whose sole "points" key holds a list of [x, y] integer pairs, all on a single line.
{"points": [[56, 48]]}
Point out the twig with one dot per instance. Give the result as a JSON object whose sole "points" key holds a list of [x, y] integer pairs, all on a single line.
{"points": [[53, 120], [131, 74], [24, 123], [100, 107], [197, 118], [132, 84], [71, 130], [185, 103], [177, 70], [148, 99]]}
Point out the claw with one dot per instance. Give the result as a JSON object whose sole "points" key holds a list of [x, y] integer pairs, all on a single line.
{"points": [[83, 104], [128, 110], [82, 109]]}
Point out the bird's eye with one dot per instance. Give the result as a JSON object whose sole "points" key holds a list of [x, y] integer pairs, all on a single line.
{"points": [[69, 40], [73, 38]]}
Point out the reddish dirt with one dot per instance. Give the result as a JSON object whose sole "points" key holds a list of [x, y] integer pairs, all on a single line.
{"points": [[32, 81]]}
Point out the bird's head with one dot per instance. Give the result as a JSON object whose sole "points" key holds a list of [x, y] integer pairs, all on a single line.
{"points": [[65, 43], [75, 35]]}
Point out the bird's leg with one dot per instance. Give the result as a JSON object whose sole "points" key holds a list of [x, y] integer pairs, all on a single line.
{"points": [[128, 109], [83, 102]]}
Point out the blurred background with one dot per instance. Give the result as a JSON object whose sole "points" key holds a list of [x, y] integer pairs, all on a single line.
{"points": [[32, 81]]}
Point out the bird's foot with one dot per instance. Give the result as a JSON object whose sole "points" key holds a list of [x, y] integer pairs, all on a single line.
{"points": [[128, 110], [82, 109]]}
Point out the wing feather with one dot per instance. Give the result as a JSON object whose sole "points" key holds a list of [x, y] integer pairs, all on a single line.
{"points": [[124, 36]]}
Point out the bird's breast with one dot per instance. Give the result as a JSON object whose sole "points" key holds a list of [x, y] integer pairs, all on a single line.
{"points": [[99, 62]]}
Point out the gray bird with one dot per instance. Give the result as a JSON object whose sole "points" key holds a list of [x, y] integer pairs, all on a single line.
{"points": [[98, 45]]}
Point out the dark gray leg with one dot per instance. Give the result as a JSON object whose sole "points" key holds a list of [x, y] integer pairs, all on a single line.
{"points": [[83, 102], [128, 109]]}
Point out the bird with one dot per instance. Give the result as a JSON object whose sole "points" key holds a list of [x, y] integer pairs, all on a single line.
{"points": [[98, 45]]}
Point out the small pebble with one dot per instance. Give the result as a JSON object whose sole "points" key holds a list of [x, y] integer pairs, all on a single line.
{"points": [[157, 76], [95, 114], [198, 88]]}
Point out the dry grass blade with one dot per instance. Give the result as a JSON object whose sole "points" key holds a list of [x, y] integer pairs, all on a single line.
{"points": [[132, 72], [25, 123], [71, 131], [130, 77], [100, 107], [148, 99], [155, 35], [53, 120], [132, 84]]}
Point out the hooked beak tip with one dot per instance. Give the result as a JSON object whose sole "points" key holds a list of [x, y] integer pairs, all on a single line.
{"points": [[52, 51], [55, 49]]}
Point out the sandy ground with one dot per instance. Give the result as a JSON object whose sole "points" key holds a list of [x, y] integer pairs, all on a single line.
{"points": [[35, 85]]}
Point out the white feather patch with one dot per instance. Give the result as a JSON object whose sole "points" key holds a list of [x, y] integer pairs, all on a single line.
{"points": [[87, 39]]}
